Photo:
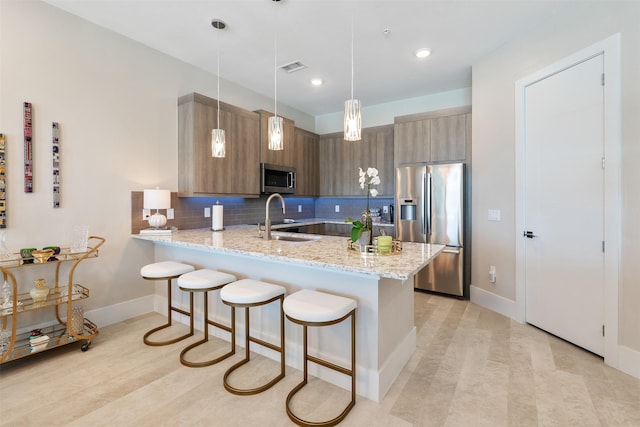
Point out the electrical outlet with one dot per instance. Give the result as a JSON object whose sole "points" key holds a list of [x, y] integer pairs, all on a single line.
{"points": [[146, 213], [385, 209], [493, 215], [170, 213], [207, 212], [299, 208], [337, 208]]}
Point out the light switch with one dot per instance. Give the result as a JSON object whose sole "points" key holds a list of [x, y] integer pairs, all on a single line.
{"points": [[493, 215], [299, 208], [207, 212], [337, 208]]}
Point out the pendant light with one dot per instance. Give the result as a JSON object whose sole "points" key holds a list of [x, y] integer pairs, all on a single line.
{"points": [[352, 113], [275, 123], [218, 143]]}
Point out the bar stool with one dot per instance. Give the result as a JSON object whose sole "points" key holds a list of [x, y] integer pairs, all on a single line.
{"points": [[247, 293], [205, 280], [168, 270], [312, 308]]}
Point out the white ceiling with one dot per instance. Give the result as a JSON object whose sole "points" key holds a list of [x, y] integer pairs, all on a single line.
{"points": [[317, 33]]}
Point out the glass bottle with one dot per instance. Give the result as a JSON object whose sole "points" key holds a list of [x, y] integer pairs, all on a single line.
{"points": [[4, 252], [7, 297]]}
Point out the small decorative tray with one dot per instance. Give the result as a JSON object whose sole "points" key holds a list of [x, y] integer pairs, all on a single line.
{"points": [[369, 250]]}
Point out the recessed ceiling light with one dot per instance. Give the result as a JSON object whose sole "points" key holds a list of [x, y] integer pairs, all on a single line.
{"points": [[423, 53], [317, 82]]}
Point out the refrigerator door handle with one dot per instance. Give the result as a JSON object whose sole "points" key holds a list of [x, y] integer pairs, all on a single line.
{"points": [[451, 251], [427, 196]]}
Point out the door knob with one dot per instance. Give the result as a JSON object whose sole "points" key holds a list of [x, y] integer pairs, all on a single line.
{"points": [[529, 234]]}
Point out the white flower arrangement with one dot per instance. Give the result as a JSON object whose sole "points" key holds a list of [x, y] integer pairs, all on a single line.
{"points": [[368, 179]]}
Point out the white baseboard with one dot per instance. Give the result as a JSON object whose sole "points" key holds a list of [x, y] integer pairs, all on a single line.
{"points": [[494, 302], [105, 316], [629, 361], [394, 364]]}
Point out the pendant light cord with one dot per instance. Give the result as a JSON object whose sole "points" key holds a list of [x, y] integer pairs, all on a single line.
{"points": [[352, 55], [218, 73], [275, 60]]}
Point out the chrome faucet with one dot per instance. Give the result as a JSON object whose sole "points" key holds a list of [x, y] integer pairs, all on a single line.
{"points": [[267, 220]]}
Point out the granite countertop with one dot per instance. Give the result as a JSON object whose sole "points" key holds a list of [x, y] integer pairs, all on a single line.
{"points": [[320, 251]]}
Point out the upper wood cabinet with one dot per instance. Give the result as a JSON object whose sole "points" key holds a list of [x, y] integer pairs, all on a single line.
{"points": [[305, 149], [435, 136], [200, 174], [340, 160], [284, 157]]}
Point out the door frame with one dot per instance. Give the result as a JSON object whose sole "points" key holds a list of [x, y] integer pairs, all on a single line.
{"points": [[610, 48]]}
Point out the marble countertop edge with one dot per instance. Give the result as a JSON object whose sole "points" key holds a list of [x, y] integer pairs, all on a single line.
{"points": [[324, 252]]}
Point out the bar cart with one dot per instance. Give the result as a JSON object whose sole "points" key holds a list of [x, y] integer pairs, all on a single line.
{"points": [[62, 294]]}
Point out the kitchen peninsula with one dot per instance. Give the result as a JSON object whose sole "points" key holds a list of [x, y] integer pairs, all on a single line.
{"points": [[382, 285]]}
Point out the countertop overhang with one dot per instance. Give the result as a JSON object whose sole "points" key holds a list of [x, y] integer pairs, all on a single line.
{"points": [[328, 252]]}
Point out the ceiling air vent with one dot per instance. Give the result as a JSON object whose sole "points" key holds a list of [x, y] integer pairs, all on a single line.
{"points": [[293, 66]]}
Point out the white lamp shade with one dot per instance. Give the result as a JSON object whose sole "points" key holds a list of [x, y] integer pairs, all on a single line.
{"points": [[218, 143], [352, 120], [157, 199], [276, 137]]}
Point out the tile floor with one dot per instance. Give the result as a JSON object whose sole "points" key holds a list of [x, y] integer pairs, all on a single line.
{"points": [[472, 367]]}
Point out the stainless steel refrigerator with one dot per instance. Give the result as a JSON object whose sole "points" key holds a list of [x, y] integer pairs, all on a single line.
{"points": [[430, 208]]}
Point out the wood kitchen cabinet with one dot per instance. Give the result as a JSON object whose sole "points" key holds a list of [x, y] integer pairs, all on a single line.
{"points": [[340, 160], [284, 157], [305, 148], [200, 174], [435, 136]]}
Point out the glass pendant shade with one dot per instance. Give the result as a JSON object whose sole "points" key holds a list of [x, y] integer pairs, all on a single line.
{"points": [[218, 143], [352, 120], [275, 132]]}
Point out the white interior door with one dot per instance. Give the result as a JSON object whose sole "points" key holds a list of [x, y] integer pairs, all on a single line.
{"points": [[564, 204]]}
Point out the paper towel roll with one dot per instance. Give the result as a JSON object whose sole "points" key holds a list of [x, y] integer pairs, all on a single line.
{"points": [[217, 218]]}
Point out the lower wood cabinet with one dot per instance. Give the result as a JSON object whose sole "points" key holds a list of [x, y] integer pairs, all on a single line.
{"points": [[200, 174]]}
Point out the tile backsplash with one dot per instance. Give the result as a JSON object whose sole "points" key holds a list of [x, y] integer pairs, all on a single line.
{"points": [[189, 211]]}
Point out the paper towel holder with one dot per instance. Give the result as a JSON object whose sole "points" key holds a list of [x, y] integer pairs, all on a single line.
{"points": [[217, 221]]}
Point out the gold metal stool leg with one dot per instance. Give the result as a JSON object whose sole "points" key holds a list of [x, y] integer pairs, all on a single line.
{"points": [[247, 356], [308, 358], [208, 322], [170, 309]]}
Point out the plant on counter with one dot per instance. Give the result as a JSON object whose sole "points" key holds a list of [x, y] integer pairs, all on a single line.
{"points": [[368, 178]]}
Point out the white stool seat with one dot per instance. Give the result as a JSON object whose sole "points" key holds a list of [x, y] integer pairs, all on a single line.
{"points": [[312, 306], [164, 269], [204, 280], [249, 291]]}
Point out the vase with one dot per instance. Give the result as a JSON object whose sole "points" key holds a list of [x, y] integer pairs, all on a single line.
{"points": [[368, 227], [364, 239], [77, 320], [40, 292]]}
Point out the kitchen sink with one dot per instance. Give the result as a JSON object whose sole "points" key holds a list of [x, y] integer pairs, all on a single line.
{"points": [[293, 238]]}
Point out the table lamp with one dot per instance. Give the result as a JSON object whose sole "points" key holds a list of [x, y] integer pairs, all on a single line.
{"points": [[157, 199]]}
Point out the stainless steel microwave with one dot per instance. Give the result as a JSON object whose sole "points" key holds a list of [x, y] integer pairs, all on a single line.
{"points": [[277, 179]]}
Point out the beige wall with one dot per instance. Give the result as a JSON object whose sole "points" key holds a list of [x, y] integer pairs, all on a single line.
{"points": [[115, 101], [493, 96]]}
